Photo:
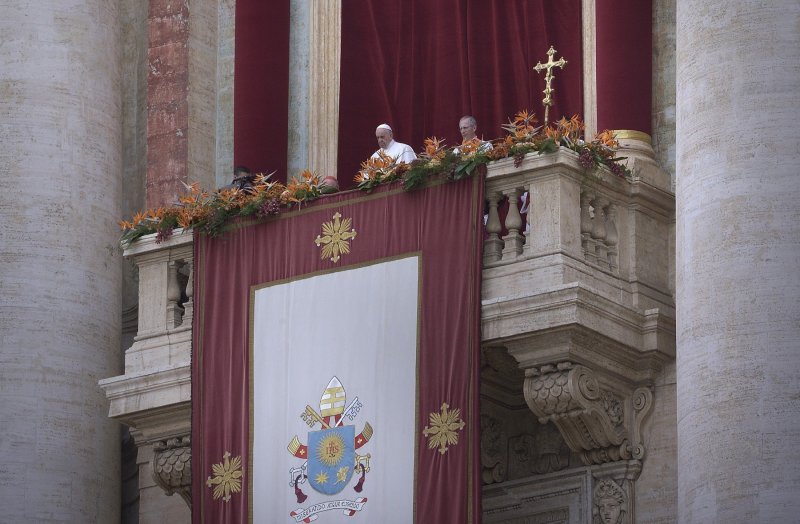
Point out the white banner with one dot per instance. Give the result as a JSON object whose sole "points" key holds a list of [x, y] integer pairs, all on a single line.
{"points": [[333, 392]]}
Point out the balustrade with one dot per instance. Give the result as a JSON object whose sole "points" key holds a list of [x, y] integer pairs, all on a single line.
{"points": [[583, 234], [154, 394], [567, 208], [579, 285]]}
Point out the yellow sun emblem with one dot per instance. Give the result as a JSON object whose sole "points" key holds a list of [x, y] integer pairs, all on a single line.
{"points": [[335, 238], [331, 450], [443, 428], [227, 477]]}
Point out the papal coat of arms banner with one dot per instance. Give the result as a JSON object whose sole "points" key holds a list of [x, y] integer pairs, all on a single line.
{"points": [[335, 362]]}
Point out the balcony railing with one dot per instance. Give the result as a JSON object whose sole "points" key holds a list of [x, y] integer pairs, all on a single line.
{"points": [[578, 287]]}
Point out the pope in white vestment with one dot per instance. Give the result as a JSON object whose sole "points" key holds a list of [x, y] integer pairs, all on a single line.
{"points": [[398, 151]]}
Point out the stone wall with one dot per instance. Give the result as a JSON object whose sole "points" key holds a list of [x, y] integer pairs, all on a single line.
{"points": [[60, 284]]}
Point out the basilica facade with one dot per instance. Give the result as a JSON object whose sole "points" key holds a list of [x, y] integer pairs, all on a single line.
{"points": [[639, 336]]}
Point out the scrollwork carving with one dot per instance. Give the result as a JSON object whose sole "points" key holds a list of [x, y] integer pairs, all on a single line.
{"points": [[571, 397], [172, 466], [613, 408], [542, 453], [493, 444], [595, 422], [642, 399]]}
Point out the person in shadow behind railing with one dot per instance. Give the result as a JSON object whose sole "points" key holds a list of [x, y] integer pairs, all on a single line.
{"points": [[243, 179]]}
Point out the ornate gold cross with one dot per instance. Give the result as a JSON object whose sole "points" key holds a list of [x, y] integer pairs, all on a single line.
{"points": [[548, 79]]}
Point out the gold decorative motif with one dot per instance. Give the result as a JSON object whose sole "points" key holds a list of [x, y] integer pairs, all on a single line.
{"points": [[336, 236], [548, 78], [443, 428], [341, 474], [331, 450], [227, 477]]}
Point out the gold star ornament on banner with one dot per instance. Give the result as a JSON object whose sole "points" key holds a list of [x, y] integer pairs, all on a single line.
{"points": [[444, 428], [227, 477], [336, 237]]}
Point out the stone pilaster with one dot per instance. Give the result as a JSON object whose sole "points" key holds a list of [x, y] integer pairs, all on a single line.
{"points": [[167, 101], [738, 281], [202, 94], [226, 29], [324, 60], [299, 102], [589, 39], [664, 86]]}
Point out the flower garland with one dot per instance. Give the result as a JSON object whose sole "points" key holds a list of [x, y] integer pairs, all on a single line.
{"points": [[210, 212]]}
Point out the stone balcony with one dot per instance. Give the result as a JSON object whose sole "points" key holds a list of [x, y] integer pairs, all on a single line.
{"points": [[577, 322]]}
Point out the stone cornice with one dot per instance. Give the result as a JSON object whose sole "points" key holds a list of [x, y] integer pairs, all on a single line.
{"points": [[157, 405], [638, 343], [147, 245]]}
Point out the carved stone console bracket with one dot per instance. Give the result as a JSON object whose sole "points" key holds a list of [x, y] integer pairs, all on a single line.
{"points": [[600, 423], [172, 466]]}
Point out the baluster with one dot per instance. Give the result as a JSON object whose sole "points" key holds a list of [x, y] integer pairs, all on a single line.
{"points": [[612, 238], [525, 209], [513, 240], [586, 225], [174, 309], [599, 232], [188, 306], [493, 246]]}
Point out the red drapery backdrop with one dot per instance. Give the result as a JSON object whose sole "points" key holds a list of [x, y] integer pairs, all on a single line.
{"points": [[442, 223], [624, 64], [261, 86], [420, 65]]}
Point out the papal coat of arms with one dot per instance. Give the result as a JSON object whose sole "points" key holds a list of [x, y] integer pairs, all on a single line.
{"points": [[331, 457]]}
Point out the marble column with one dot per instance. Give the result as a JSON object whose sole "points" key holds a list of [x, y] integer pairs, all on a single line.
{"points": [[738, 281], [60, 266]]}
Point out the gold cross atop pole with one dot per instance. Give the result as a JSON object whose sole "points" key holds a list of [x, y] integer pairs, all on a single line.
{"points": [[548, 79]]}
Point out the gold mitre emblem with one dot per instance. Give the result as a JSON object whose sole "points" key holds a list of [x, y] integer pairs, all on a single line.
{"points": [[333, 399]]}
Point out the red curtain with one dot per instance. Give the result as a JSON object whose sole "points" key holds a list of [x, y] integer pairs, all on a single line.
{"points": [[624, 64], [261, 87], [421, 65], [443, 224]]}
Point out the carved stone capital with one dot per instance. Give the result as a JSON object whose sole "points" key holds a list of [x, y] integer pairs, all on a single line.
{"points": [[614, 492], [610, 503], [601, 424], [172, 466]]}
